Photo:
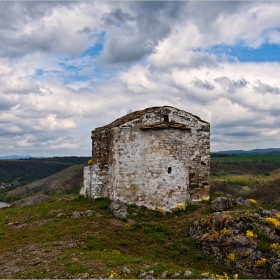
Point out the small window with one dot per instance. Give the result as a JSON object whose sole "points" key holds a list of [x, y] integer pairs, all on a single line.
{"points": [[166, 118], [169, 169]]}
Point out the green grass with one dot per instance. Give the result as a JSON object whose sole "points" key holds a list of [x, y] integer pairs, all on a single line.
{"points": [[151, 239]]}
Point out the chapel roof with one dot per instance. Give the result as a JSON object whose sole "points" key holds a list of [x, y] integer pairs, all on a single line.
{"points": [[134, 115]]}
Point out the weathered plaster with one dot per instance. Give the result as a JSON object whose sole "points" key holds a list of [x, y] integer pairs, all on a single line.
{"points": [[141, 158]]}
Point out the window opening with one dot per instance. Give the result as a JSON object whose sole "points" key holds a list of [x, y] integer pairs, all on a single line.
{"points": [[169, 169], [166, 118]]}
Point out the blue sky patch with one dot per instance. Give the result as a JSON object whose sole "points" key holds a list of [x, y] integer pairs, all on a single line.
{"points": [[265, 53], [96, 50]]}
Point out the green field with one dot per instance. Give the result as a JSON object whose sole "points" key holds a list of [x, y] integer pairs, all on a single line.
{"points": [[247, 175], [246, 158]]}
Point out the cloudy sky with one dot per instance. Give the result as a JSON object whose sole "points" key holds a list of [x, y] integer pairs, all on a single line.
{"points": [[68, 67]]}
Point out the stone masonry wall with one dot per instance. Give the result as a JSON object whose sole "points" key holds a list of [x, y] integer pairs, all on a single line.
{"points": [[141, 174]]}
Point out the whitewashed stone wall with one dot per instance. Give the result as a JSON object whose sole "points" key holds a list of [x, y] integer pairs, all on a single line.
{"points": [[150, 167]]}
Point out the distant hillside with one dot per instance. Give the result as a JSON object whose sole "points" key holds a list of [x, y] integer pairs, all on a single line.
{"points": [[19, 172], [67, 181], [254, 151]]}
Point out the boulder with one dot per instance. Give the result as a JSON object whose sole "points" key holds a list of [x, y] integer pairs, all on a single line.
{"points": [[187, 273], [127, 270], [164, 275], [222, 203], [119, 209]]}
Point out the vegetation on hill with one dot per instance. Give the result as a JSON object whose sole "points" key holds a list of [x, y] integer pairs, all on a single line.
{"points": [[50, 240], [247, 176], [25, 171], [20, 172], [74, 237], [246, 158], [67, 181]]}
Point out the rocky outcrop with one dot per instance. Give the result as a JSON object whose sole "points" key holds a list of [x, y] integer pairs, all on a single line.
{"points": [[77, 214], [119, 209], [246, 240], [222, 203], [225, 203]]}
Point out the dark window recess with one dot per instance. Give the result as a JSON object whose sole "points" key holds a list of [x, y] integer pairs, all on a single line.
{"points": [[169, 169], [166, 118]]}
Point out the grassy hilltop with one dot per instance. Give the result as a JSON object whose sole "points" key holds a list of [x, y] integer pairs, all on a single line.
{"points": [[71, 237], [47, 240]]}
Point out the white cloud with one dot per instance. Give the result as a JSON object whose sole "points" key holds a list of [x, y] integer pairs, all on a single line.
{"points": [[52, 94]]}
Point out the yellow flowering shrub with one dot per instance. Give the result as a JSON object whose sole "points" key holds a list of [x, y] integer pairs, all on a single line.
{"points": [[127, 227], [235, 276], [113, 274], [272, 221], [249, 233], [180, 206], [230, 258], [277, 215], [204, 199], [261, 262], [253, 201], [247, 214], [116, 252], [220, 277], [275, 246], [89, 162], [225, 231], [205, 274], [159, 209]]}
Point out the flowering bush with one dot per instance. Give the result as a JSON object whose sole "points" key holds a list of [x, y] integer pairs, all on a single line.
{"points": [[277, 215], [128, 227], [249, 233], [230, 258], [275, 246], [272, 221], [220, 277], [159, 209], [225, 231], [181, 207], [113, 274], [117, 252], [261, 262], [253, 201], [205, 274], [204, 199]]}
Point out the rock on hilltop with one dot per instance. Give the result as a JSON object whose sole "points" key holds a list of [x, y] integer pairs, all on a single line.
{"points": [[246, 240]]}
